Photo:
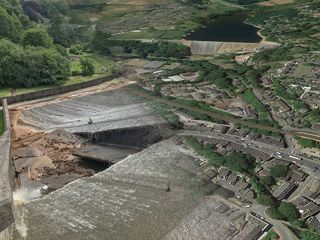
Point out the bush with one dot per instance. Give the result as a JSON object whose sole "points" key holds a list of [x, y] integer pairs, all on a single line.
{"points": [[74, 50], [87, 67]]}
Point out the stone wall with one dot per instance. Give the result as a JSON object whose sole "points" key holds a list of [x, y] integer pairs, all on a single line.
{"points": [[6, 178], [56, 90]]}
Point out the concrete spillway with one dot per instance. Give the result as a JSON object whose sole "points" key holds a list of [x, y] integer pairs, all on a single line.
{"points": [[95, 113], [127, 201], [205, 48], [152, 195]]}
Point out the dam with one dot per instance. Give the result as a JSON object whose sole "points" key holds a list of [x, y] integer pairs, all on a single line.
{"points": [[154, 190]]}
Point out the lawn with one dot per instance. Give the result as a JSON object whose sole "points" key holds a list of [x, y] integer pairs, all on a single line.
{"points": [[103, 67]]}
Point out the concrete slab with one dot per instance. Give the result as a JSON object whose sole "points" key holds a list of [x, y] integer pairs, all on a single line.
{"points": [[127, 201], [105, 154]]}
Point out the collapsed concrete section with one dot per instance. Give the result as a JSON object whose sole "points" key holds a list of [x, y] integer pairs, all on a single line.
{"points": [[104, 154], [149, 195], [53, 143]]}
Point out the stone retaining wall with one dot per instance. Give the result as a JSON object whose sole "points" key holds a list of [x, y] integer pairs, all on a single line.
{"points": [[56, 90], [6, 178]]}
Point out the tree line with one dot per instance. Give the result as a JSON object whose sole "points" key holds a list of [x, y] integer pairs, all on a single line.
{"points": [[28, 55]]}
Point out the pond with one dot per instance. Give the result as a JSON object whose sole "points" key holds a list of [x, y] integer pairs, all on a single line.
{"points": [[230, 28]]}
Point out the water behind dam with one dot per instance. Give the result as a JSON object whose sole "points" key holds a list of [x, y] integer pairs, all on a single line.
{"points": [[231, 28]]}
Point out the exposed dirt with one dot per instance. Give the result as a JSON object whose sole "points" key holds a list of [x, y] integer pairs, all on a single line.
{"points": [[54, 154]]}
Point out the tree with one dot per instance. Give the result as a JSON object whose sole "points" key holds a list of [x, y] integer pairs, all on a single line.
{"points": [[239, 162], [30, 67], [258, 187], [11, 27], [87, 67], [99, 42], [310, 235], [267, 181], [264, 199], [279, 170], [37, 37], [288, 211]]}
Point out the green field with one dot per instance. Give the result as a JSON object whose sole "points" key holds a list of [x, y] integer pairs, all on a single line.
{"points": [[103, 67]]}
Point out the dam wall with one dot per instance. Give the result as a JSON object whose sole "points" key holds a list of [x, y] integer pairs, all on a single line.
{"points": [[56, 90], [205, 48], [210, 48], [6, 178]]}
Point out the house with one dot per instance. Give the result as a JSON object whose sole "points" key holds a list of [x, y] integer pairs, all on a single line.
{"points": [[247, 194], [307, 208], [253, 136], [232, 179], [210, 172], [220, 128], [241, 185], [314, 193], [257, 154], [224, 173], [284, 190], [296, 175]]}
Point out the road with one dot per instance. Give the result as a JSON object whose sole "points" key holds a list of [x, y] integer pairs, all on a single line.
{"points": [[284, 232], [263, 147], [226, 118], [280, 227]]}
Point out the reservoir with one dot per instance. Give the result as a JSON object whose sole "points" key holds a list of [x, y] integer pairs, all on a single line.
{"points": [[230, 28]]}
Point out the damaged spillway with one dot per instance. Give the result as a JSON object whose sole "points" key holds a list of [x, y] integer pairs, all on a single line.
{"points": [[55, 144], [143, 184]]}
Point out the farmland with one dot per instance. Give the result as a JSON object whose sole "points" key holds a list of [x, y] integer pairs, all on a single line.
{"points": [[146, 19]]}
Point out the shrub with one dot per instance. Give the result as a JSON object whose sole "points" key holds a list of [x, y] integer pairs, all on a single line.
{"points": [[87, 67]]}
